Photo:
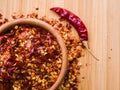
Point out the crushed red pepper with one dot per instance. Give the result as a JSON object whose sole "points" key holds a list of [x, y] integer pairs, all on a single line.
{"points": [[74, 47], [29, 58]]}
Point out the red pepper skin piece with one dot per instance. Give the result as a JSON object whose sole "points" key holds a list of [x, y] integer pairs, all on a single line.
{"points": [[74, 20], [3, 37]]}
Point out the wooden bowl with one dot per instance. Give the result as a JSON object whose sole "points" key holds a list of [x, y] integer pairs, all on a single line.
{"points": [[50, 29]]}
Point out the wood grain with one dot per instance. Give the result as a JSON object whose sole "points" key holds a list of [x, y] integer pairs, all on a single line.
{"points": [[102, 18]]}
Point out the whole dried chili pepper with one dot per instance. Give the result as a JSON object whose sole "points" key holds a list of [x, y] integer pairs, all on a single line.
{"points": [[77, 23], [74, 20]]}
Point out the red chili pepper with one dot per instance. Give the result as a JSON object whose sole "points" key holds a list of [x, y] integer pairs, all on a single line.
{"points": [[77, 23], [74, 20]]}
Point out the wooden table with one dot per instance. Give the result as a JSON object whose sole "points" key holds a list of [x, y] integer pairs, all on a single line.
{"points": [[102, 18]]}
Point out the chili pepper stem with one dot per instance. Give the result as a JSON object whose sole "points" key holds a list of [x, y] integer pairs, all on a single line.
{"points": [[86, 45]]}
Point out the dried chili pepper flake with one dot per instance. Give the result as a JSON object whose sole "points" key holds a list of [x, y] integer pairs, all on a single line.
{"points": [[17, 15], [37, 8], [1, 16]]}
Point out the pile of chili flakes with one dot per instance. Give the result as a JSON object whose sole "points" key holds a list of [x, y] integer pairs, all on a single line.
{"points": [[73, 45]]}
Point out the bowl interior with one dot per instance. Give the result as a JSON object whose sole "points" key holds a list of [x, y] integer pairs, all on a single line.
{"points": [[39, 23]]}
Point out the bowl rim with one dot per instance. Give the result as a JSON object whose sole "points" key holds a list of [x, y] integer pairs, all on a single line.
{"points": [[49, 28]]}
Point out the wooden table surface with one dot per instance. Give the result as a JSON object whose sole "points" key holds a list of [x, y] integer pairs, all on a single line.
{"points": [[102, 18]]}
